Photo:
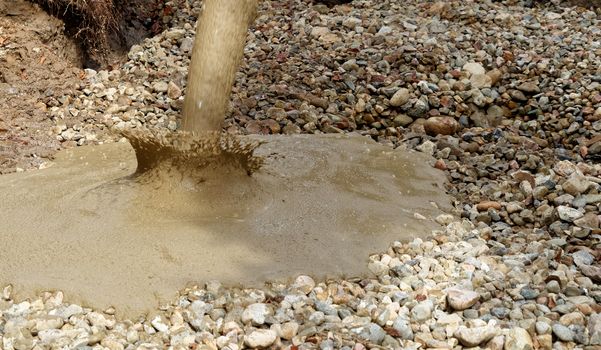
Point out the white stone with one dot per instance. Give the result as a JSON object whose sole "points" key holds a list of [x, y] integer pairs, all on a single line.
{"points": [[99, 320], [288, 330], [518, 338], [474, 68], [255, 313], [48, 322], [400, 97], [475, 336], [351, 22], [304, 283], [160, 86], [260, 338], [480, 81], [159, 324], [427, 147], [460, 299]]}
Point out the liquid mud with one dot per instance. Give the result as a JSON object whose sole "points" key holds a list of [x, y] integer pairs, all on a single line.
{"points": [[108, 234]]}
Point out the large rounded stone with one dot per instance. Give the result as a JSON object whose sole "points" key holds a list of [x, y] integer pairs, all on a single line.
{"points": [[260, 338], [441, 126]]}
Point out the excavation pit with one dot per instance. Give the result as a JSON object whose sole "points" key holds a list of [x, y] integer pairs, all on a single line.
{"points": [[93, 227]]}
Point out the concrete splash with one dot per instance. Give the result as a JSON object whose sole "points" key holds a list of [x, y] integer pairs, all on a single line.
{"points": [[106, 234]]}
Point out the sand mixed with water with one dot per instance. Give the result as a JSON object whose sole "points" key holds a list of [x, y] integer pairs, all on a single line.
{"points": [[106, 234]]}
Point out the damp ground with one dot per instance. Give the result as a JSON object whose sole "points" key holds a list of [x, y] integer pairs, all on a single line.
{"points": [[93, 227]]}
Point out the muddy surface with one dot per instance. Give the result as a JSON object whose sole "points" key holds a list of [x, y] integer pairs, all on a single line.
{"points": [[91, 226]]}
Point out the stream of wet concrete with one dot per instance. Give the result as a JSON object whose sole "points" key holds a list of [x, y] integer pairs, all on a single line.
{"points": [[92, 226]]}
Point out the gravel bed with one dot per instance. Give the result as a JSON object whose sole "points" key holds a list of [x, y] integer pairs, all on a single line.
{"points": [[507, 99]]}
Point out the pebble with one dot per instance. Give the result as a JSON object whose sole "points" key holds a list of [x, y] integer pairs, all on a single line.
{"points": [[160, 86], [400, 97], [441, 126], [260, 338], [173, 91], [475, 336], [255, 313], [288, 330], [461, 299], [563, 333], [474, 68], [304, 283], [543, 328], [568, 214], [518, 339], [594, 329], [422, 311], [403, 328], [576, 184], [484, 206]]}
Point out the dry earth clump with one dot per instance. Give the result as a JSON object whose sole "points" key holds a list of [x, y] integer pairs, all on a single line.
{"points": [[106, 29]]}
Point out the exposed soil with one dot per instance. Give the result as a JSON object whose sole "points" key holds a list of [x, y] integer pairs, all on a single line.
{"points": [[41, 60], [37, 64], [106, 29]]}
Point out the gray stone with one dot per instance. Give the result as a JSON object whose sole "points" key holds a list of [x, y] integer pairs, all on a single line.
{"points": [[373, 332], [422, 311], [582, 257], [186, 45], [553, 287], [562, 332], [568, 214], [403, 327], [528, 293], [594, 329], [499, 312], [542, 327], [437, 27], [402, 120]]}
